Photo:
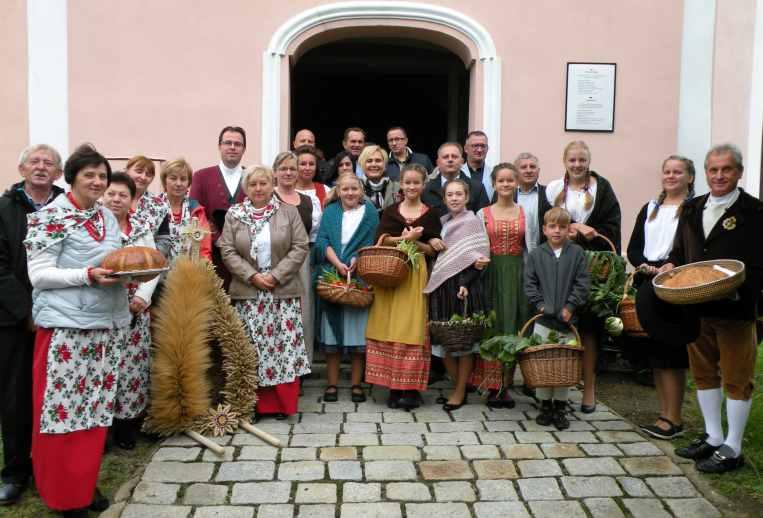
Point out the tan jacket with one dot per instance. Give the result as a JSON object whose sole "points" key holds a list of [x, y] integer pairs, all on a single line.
{"points": [[288, 249]]}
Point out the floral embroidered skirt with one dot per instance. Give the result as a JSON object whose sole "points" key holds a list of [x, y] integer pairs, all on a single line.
{"points": [[134, 369]]}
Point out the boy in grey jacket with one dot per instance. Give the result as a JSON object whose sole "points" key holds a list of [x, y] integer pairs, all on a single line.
{"points": [[556, 284]]}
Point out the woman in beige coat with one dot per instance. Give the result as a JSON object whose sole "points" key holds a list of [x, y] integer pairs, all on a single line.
{"points": [[263, 245]]}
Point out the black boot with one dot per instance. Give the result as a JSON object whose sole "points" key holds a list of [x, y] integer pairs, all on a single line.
{"points": [[546, 415], [560, 415], [409, 400], [394, 398], [125, 433]]}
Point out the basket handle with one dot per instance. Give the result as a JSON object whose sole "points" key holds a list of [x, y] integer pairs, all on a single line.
{"points": [[609, 242], [347, 286], [628, 283], [536, 317], [381, 239]]}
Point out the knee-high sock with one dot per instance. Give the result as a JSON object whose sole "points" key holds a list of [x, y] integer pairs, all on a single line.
{"points": [[710, 403], [737, 412]]}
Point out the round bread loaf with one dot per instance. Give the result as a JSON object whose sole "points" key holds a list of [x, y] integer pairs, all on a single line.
{"points": [[134, 258]]}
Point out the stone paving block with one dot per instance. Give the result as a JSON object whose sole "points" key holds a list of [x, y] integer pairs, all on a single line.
{"points": [[505, 414], [361, 492], [454, 510], [178, 472], [496, 490], [262, 453], [371, 407], [650, 466], [275, 427], [307, 418], [322, 428], [407, 491], [454, 492], [358, 439], [246, 439], [567, 508], [317, 511], [261, 493], [634, 486], [377, 510], [308, 493], [391, 453], [227, 456], [597, 416], [532, 426], [692, 508], [276, 511], [539, 468], [398, 417], [339, 453], [457, 426], [496, 509], [432, 417], [442, 453], [245, 470], [674, 487], [522, 451], [345, 470], [224, 511], [502, 426], [402, 439], [612, 425], [301, 470], [602, 450], [374, 417], [635, 449], [495, 469], [339, 407], [561, 450], [290, 454], [469, 413], [313, 439], [581, 487], [595, 466], [539, 489], [581, 426], [534, 437], [176, 454], [576, 437], [390, 470], [184, 440], [603, 508], [497, 438], [645, 508], [446, 470], [454, 438], [156, 511], [155, 493], [404, 428], [480, 451], [617, 436], [359, 427], [205, 494]]}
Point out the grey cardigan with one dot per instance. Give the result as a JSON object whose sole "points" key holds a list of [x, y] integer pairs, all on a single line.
{"points": [[288, 250], [552, 284]]}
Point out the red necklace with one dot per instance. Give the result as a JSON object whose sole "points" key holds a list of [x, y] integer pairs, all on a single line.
{"points": [[90, 225]]}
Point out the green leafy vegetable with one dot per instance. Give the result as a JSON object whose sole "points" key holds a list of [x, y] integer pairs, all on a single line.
{"points": [[506, 348], [412, 251]]}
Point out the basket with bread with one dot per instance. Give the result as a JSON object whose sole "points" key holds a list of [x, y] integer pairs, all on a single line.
{"points": [[703, 281]]}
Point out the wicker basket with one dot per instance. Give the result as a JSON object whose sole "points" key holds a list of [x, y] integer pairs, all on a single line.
{"points": [[346, 294], [716, 290], [604, 274], [551, 365], [383, 266], [455, 338], [627, 305]]}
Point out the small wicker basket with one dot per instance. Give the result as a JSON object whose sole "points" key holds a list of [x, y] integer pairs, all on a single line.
{"points": [[456, 337], [627, 311], [345, 294], [383, 266], [551, 365], [715, 290]]}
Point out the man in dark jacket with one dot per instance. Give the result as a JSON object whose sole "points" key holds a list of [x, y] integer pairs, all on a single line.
{"points": [[531, 196], [400, 154], [723, 224], [40, 166], [449, 162]]}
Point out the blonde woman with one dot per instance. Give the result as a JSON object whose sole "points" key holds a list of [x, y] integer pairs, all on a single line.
{"points": [[380, 190]]}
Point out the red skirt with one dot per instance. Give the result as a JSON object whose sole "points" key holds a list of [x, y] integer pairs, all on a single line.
{"points": [[398, 366], [278, 399], [65, 465]]}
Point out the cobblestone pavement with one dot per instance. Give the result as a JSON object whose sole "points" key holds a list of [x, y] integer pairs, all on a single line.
{"points": [[343, 460]]}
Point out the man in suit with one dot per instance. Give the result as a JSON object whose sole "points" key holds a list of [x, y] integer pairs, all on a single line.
{"points": [[400, 154], [475, 166], [531, 196], [449, 162], [725, 223], [39, 166]]}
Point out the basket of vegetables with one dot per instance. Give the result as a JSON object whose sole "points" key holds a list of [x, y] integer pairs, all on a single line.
{"points": [[600, 262], [608, 279], [460, 333], [387, 266], [627, 309], [349, 292]]}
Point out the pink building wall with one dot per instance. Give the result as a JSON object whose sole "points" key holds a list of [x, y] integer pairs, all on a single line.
{"points": [[14, 124]]}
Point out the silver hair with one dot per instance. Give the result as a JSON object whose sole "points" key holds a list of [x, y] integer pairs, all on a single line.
{"points": [[258, 169], [525, 156], [722, 149], [24, 156]]}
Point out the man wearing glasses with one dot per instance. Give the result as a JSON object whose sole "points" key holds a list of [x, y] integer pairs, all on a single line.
{"points": [[400, 154], [475, 167]]}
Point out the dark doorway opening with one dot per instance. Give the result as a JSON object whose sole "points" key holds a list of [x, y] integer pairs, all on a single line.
{"points": [[376, 83]]}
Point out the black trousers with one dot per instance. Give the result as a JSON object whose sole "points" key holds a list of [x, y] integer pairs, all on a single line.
{"points": [[16, 348]]}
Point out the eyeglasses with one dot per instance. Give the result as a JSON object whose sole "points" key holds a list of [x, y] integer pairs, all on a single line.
{"points": [[232, 143], [478, 146]]}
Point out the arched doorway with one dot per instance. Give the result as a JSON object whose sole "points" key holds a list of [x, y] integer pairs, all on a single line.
{"points": [[376, 83]]}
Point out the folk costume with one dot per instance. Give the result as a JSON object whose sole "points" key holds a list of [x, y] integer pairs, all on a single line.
{"points": [[171, 230], [270, 240], [397, 343], [342, 328], [504, 286], [465, 242], [149, 212], [81, 329]]}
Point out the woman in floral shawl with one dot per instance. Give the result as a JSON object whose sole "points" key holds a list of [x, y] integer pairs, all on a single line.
{"points": [[82, 315], [148, 208], [263, 245]]}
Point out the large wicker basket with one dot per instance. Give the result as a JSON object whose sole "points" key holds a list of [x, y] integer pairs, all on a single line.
{"points": [[346, 294], [715, 290], [456, 337], [604, 274], [383, 266], [551, 365], [627, 305]]}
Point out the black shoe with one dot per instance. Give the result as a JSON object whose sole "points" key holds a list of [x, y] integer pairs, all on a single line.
{"points": [[409, 400], [441, 400], [331, 394], [448, 407], [588, 409], [394, 398], [698, 449], [500, 399], [546, 415], [559, 417], [721, 461], [10, 493], [655, 431], [125, 433], [358, 396], [281, 417], [100, 503]]}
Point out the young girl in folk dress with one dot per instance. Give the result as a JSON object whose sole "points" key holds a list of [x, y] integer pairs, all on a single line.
{"points": [[505, 224], [455, 286], [348, 225], [398, 350]]}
